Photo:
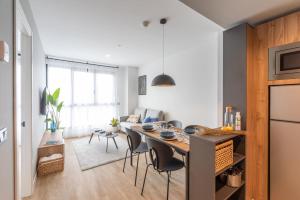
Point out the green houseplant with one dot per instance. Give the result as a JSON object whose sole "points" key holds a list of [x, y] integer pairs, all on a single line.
{"points": [[54, 107], [115, 124]]}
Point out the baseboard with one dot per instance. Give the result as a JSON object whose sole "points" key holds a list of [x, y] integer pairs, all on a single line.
{"points": [[34, 182]]}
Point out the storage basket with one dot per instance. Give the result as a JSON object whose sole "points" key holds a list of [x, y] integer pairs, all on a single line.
{"points": [[51, 166], [224, 155]]}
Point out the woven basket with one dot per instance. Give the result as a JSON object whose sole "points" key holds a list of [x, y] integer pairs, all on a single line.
{"points": [[48, 167], [224, 155]]}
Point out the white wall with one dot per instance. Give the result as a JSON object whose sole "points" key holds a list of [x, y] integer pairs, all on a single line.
{"points": [[194, 99], [127, 86], [220, 81], [132, 88]]}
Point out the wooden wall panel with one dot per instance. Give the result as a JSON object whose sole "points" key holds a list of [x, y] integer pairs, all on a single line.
{"points": [[280, 31]]}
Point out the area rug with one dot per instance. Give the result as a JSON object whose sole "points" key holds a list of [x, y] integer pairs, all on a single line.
{"points": [[94, 154]]}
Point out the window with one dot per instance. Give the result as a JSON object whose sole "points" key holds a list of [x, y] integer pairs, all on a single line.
{"points": [[89, 98]]}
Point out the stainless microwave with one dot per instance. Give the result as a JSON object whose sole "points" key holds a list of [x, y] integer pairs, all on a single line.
{"points": [[284, 62]]}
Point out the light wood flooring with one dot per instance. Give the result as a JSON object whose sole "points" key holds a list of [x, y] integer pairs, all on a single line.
{"points": [[106, 182]]}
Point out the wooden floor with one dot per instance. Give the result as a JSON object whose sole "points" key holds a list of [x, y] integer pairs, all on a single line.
{"points": [[106, 182]]}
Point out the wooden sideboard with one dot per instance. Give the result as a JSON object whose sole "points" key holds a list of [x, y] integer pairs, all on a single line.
{"points": [[46, 150]]}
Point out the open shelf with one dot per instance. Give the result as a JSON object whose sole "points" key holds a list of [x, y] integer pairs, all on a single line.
{"points": [[203, 167], [226, 192], [236, 159]]}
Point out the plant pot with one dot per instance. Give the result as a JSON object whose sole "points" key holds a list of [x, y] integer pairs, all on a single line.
{"points": [[114, 129]]}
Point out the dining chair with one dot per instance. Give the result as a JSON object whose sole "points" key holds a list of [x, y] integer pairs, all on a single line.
{"points": [[135, 146], [162, 160], [175, 123]]}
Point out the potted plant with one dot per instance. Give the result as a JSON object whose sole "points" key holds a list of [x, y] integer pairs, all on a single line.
{"points": [[115, 124], [54, 107]]}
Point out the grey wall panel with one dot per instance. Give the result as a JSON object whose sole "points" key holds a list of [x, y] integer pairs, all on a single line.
{"points": [[234, 69], [6, 103]]}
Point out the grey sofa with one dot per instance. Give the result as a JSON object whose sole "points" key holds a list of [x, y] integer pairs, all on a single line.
{"points": [[144, 113]]}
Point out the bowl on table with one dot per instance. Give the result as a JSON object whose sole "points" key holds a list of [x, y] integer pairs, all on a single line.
{"points": [[167, 134], [190, 130], [148, 127]]}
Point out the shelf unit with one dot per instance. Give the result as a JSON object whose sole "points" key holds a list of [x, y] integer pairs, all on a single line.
{"points": [[205, 182]]}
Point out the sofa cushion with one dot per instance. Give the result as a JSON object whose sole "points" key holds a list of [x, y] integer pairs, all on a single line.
{"points": [[155, 114], [141, 112], [133, 118], [125, 125], [147, 120]]}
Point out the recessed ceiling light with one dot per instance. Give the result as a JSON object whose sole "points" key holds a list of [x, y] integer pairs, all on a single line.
{"points": [[107, 55]]}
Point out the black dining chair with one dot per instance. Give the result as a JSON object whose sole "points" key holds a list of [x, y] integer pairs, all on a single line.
{"points": [[135, 146], [175, 123], [162, 160]]}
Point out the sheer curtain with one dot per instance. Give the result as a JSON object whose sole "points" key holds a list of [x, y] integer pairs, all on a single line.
{"points": [[89, 95]]}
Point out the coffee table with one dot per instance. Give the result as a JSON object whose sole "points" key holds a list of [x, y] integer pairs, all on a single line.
{"points": [[97, 132], [106, 134], [110, 135]]}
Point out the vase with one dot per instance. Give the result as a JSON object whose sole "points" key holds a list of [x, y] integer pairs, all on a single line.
{"points": [[53, 127]]}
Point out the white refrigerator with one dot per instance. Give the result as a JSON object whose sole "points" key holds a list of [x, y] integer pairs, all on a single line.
{"points": [[284, 138]]}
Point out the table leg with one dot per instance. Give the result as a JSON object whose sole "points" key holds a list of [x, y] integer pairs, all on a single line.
{"points": [[91, 138], [115, 143], [187, 175], [106, 144]]}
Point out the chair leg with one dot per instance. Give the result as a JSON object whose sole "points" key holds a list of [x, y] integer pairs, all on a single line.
{"points": [[131, 159], [99, 138], [146, 158], [145, 179], [137, 167], [125, 160], [168, 186]]}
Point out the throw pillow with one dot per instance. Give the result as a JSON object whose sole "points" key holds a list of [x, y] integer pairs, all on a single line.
{"points": [[133, 118], [154, 119], [147, 120]]}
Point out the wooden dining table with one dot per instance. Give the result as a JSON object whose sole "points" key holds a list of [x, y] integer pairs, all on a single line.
{"points": [[181, 145]]}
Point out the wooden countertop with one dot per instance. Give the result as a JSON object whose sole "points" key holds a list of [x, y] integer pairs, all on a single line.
{"points": [[212, 135], [156, 135], [284, 82], [48, 136]]}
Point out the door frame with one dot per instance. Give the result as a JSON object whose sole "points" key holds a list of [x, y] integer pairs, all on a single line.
{"points": [[20, 23]]}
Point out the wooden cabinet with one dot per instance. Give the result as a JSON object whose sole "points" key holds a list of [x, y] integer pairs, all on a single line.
{"points": [[45, 150]]}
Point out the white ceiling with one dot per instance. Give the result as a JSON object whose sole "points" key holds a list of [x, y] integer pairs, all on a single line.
{"points": [[228, 13], [91, 29]]}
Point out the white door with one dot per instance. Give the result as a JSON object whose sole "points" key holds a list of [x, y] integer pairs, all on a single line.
{"points": [[23, 106], [26, 115]]}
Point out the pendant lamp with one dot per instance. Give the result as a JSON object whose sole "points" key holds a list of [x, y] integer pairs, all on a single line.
{"points": [[163, 79]]}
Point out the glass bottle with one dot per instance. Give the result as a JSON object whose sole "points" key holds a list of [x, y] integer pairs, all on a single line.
{"points": [[228, 117]]}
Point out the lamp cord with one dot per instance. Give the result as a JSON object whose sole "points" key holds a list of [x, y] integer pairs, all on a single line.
{"points": [[163, 49]]}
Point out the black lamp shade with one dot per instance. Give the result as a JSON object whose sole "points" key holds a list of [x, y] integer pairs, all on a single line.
{"points": [[163, 80]]}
